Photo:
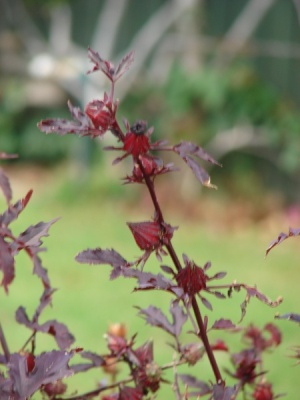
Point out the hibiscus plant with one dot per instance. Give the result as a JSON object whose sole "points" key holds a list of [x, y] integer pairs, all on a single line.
{"points": [[189, 284]]}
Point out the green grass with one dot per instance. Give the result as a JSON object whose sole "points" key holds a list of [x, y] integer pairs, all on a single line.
{"points": [[87, 301]]}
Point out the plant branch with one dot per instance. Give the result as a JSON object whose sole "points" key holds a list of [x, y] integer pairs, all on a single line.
{"points": [[95, 392], [202, 331], [204, 338], [4, 345]]}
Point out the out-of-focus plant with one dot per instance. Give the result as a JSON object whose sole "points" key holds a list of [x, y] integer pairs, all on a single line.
{"points": [[234, 113]]}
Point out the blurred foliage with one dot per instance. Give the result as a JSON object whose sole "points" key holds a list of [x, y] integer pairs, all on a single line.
{"points": [[45, 3], [188, 106], [19, 133], [197, 106], [209, 101]]}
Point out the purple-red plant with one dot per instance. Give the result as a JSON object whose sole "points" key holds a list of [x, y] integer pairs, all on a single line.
{"points": [[189, 283], [294, 317]]}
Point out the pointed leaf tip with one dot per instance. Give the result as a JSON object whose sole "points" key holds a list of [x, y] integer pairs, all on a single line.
{"points": [[5, 186], [283, 236]]}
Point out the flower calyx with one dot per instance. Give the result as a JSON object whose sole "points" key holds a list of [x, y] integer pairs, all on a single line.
{"points": [[136, 141]]}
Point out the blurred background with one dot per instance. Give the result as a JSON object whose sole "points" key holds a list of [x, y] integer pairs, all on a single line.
{"points": [[223, 74]]}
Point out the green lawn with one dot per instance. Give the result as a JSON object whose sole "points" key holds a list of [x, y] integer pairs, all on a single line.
{"points": [[87, 301]]}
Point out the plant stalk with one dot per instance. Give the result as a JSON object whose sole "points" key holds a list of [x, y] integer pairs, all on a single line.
{"points": [[175, 259]]}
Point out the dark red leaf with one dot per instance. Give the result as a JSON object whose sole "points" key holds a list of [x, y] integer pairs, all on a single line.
{"points": [[99, 256], [5, 186], [13, 211], [21, 316], [290, 317], [7, 390], [219, 295], [100, 64], [62, 336], [218, 275], [187, 148], [224, 393], [7, 264], [155, 317], [199, 172], [45, 301], [113, 73], [32, 236], [123, 65], [167, 269], [49, 367], [81, 125], [95, 362], [40, 271], [206, 303], [252, 291], [223, 324], [179, 318], [60, 332], [282, 236], [148, 281], [192, 382]]}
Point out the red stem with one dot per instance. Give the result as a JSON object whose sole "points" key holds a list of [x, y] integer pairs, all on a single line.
{"points": [[202, 331], [4, 345]]}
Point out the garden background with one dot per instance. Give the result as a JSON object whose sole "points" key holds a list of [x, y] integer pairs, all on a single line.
{"points": [[222, 74]]}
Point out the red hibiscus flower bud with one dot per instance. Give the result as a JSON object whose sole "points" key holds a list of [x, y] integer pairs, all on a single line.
{"points": [[153, 372], [149, 164], [118, 329], [245, 363], [145, 353], [100, 115], [53, 389], [136, 142], [116, 344], [193, 352], [191, 279], [263, 391], [148, 377], [150, 235]]}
